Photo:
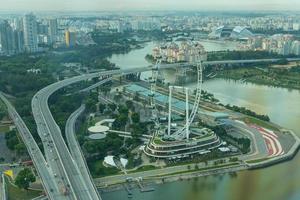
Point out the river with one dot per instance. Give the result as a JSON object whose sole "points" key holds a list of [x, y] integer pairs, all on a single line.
{"points": [[279, 182]]}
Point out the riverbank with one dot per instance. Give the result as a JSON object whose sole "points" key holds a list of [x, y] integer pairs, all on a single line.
{"points": [[153, 181], [286, 78]]}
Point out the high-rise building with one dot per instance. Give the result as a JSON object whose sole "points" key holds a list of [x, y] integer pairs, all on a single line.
{"points": [[30, 33], [42, 29], [6, 38], [18, 41], [52, 30], [296, 48], [70, 38], [124, 26], [17, 24]]}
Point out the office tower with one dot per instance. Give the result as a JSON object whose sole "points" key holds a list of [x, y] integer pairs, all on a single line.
{"points": [[52, 32], [70, 38], [6, 38], [30, 33]]}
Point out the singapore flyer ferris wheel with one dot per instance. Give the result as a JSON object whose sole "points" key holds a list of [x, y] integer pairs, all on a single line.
{"points": [[179, 136], [183, 131]]}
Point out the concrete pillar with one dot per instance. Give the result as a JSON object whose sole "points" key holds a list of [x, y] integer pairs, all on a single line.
{"points": [[187, 112], [170, 110]]}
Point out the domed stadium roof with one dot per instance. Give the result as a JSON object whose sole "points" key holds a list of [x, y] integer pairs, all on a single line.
{"points": [[238, 32]]}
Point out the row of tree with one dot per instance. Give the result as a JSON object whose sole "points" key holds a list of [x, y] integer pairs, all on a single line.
{"points": [[243, 55], [242, 143], [14, 143], [248, 112]]}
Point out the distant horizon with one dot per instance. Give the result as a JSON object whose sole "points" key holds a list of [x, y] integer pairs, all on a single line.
{"points": [[148, 11], [147, 5]]}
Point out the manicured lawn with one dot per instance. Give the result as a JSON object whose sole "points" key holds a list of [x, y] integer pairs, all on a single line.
{"points": [[14, 193], [157, 141], [97, 169], [4, 129]]}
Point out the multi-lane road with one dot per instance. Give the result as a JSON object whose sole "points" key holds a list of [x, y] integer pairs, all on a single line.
{"points": [[75, 149], [36, 155], [65, 169]]}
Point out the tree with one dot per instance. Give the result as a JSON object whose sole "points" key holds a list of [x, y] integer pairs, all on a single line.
{"points": [[101, 107], [282, 61], [105, 90], [135, 117], [123, 110], [20, 148], [11, 139], [112, 106], [137, 130], [2, 114], [129, 105], [120, 121], [91, 105], [24, 178]]}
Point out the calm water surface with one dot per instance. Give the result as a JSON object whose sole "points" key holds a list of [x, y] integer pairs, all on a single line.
{"points": [[279, 182]]}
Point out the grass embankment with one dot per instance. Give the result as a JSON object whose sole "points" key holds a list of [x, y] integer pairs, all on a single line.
{"points": [[286, 78], [257, 160], [15, 193], [203, 169], [261, 123]]}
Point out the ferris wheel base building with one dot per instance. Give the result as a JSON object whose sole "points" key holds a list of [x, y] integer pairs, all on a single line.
{"points": [[202, 141]]}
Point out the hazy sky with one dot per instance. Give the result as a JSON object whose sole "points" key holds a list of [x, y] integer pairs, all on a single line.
{"points": [[106, 5]]}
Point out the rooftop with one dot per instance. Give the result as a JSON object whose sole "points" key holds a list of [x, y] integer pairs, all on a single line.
{"points": [[98, 129]]}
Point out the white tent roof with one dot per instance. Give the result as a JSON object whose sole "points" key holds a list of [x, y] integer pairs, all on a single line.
{"points": [[110, 161], [124, 162]]}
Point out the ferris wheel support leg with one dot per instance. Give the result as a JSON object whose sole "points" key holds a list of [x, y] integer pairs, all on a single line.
{"points": [[170, 111], [187, 112]]}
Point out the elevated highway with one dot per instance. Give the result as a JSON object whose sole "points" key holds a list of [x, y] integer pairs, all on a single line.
{"points": [[64, 167], [75, 149], [50, 184]]}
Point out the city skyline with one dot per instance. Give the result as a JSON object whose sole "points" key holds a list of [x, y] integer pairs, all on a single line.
{"points": [[127, 5]]}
